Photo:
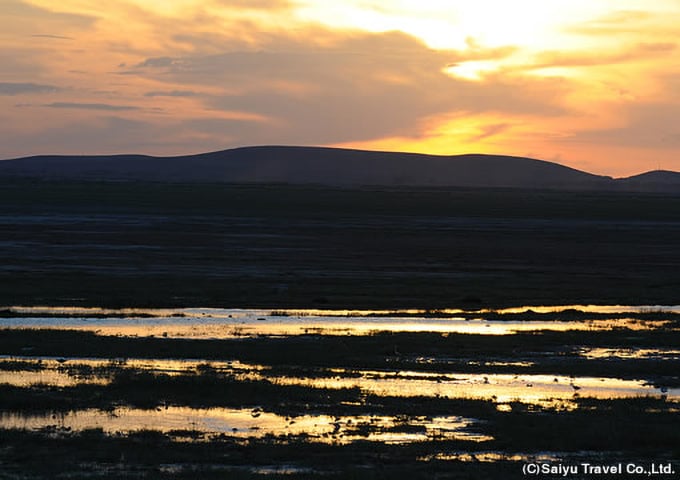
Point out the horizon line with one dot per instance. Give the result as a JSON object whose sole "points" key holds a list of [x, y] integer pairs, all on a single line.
{"points": [[326, 147]]}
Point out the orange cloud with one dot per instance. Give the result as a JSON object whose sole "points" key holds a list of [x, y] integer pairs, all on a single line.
{"points": [[572, 81], [631, 53]]}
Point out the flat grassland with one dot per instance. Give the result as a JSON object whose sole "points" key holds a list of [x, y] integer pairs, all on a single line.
{"points": [[129, 244]]}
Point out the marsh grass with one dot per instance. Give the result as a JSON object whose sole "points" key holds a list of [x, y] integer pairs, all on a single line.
{"points": [[645, 425], [546, 352], [620, 429], [150, 455], [612, 429]]}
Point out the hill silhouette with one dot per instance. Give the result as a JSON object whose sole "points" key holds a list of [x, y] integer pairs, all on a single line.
{"points": [[657, 180], [330, 166]]}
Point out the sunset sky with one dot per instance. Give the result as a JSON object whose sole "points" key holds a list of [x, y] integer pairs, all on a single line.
{"points": [[593, 84]]}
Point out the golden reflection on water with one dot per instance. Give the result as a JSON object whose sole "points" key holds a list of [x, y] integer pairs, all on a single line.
{"points": [[501, 388], [547, 390], [253, 422], [64, 372], [312, 312], [47, 377], [554, 391], [630, 353], [275, 326], [233, 323], [491, 457]]}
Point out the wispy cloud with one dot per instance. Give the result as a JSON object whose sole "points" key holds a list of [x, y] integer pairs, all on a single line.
{"points": [[353, 88], [55, 37], [171, 93], [91, 106], [158, 62], [20, 11], [640, 51], [489, 131], [25, 88], [255, 4], [615, 22]]}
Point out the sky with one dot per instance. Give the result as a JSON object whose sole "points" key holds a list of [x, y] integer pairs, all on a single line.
{"points": [[592, 84]]}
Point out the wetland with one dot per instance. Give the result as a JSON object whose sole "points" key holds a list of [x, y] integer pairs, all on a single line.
{"points": [[301, 404], [241, 331]]}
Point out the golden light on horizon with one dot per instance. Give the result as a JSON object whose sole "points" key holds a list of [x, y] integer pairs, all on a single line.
{"points": [[567, 80]]}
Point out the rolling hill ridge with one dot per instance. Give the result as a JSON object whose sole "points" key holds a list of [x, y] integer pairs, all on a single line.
{"points": [[331, 166]]}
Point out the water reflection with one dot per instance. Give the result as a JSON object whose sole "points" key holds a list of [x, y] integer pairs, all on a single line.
{"points": [[245, 423], [502, 388], [47, 377], [64, 372], [631, 353], [484, 456], [253, 325], [235, 313], [546, 390]]}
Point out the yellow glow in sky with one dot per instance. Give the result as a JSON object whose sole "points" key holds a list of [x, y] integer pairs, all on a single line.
{"points": [[589, 83], [448, 24]]}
